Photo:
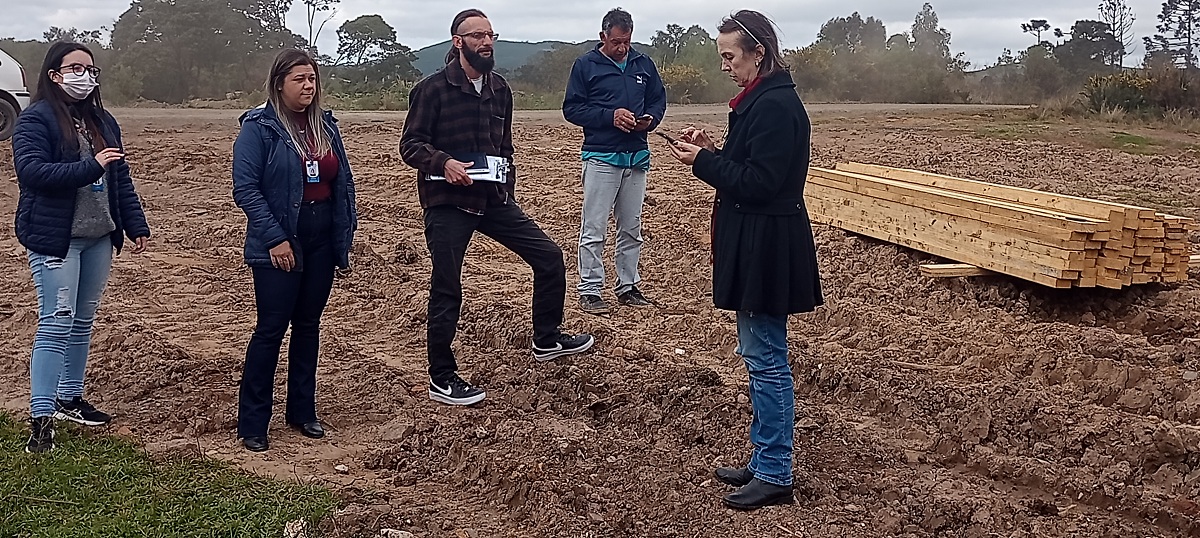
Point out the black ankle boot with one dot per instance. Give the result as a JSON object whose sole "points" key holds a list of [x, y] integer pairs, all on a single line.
{"points": [[734, 476], [256, 444], [758, 494]]}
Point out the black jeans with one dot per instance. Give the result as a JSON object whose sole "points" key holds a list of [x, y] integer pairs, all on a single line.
{"points": [[448, 232], [297, 298]]}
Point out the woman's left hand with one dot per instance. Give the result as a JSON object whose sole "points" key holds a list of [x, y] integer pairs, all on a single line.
{"points": [[139, 245], [684, 152]]}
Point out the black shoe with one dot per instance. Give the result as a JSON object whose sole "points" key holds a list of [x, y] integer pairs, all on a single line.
{"points": [[312, 430], [633, 297], [256, 444], [80, 411], [758, 494], [455, 391], [564, 345], [734, 476], [593, 304], [41, 435]]}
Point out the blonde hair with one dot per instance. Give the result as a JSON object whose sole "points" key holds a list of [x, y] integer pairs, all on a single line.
{"points": [[284, 63]]}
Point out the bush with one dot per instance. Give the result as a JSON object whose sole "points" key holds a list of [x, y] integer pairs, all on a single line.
{"points": [[1155, 91], [1126, 91]]}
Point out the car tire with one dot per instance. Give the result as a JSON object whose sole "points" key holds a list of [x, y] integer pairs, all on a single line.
{"points": [[8, 119]]}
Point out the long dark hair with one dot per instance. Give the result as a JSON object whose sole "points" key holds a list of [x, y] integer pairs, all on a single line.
{"points": [[320, 143], [458, 20], [90, 110], [753, 29]]}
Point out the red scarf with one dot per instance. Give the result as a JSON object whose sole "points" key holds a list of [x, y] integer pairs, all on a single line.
{"points": [[712, 223], [733, 103]]}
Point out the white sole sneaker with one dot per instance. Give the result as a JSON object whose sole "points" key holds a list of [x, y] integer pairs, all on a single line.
{"points": [[558, 351], [59, 415], [439, 397]]}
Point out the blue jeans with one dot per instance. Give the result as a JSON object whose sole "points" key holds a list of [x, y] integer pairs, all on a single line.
{"points": [[762, 343], [608, 189], [68, 291]]}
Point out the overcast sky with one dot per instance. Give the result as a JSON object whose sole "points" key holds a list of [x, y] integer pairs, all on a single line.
{"points": [[979, 28]]}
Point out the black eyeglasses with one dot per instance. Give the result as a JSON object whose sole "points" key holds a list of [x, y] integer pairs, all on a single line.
{"points": [[478, 36], [79, 69]]}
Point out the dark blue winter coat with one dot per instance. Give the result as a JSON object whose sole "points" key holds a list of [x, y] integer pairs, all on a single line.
{"points": [[49, 175], [597, 88], [268, 184]]}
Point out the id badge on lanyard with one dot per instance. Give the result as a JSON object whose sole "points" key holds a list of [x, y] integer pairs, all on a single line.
{"points": [[98, 185], [312, 171]]}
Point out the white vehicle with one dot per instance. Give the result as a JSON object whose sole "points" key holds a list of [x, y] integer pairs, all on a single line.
{"points": [[14, 96]]}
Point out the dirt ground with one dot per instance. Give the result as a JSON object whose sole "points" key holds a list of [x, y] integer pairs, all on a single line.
{"points": [[960, 407]]}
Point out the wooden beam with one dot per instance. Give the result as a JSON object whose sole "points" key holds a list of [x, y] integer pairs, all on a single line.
{"points": [[928, 225], [1069, 204], [953, 270], [1035, 230], [1009, 210], [1194, 260]]}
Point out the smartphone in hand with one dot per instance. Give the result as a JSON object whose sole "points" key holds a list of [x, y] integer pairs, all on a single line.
{"points": [[667, 137]]}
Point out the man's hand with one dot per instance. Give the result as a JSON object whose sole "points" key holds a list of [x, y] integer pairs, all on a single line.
{"points": [[643, 123], [624, 120], [456, 173]]}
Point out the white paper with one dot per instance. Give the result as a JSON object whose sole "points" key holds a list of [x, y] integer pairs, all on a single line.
{"points": [[497, 171]]}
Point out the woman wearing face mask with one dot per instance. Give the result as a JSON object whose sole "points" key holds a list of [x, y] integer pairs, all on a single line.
{"points": [[76, 205], [764, 257], [292, 178]]}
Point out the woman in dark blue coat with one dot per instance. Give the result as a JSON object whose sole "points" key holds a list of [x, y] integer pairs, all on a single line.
{"points": [[764, 256], [292, 178], [76, 205]]}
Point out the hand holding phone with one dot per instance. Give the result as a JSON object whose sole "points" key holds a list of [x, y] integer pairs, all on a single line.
{"points": [[665, 136]]}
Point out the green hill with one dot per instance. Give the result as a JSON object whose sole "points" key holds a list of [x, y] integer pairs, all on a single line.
{"points": [[510, 55]]}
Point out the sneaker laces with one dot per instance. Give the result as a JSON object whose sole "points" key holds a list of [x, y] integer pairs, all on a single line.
{"points": [[457, 383]]}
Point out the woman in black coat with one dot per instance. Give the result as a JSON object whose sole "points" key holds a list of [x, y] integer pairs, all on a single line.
{"points": [[764, 257]]}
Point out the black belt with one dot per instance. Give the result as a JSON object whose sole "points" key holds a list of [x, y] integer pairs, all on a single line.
{"points": [[311, 203]]}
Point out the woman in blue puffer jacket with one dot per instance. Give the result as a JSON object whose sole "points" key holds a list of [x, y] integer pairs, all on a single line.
{"points": [[76, 205], [292, 178]]}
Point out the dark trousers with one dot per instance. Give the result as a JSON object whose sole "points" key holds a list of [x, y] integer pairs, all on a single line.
{"points": [[295, 298], [448, 232]]}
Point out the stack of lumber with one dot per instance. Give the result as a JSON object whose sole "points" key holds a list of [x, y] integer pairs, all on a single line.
{"points": [[1051, 239]]}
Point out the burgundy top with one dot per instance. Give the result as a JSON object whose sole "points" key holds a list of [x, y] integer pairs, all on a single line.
{"points": [[327, 167]]}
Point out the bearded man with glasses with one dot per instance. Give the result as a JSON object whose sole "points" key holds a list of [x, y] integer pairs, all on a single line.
{"points": [[458, 135]]}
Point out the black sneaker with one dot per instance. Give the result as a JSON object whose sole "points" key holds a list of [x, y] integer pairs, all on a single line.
{"points": [[455, 391], [564, 345], [633, 297], [41, 435], [80, 411], [593, 304]]}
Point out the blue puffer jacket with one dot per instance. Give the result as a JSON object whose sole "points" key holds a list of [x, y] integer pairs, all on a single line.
{"points": [[597, 88], [268, 184], [49, 174]]}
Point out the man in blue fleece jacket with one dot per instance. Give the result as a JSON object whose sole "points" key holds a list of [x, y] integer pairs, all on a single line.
{"points": [[617, 96]]}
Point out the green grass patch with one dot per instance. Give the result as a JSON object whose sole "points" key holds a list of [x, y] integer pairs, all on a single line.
{"points": [[103, 486], [1130, 143]]}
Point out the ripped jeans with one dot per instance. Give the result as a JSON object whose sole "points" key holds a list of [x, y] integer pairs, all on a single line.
{"points": [[68, 291]]}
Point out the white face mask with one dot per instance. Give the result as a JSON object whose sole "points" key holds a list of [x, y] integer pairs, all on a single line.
{"points": [[78, 86]]}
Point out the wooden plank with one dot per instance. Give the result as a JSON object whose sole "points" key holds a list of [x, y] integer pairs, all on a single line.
{"points": [[998, 259], [952, 270], [949, 253], [1068, 204], [1009, 210], [930, 224], [1038, 232], [1194, 261]]}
